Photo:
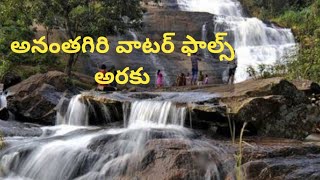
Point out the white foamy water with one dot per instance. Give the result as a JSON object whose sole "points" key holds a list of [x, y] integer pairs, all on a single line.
{"points": [[77, 113], [70, 151], [254, 42], [156, 113], [3, 100]]}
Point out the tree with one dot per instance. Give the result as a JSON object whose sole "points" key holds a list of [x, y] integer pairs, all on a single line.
{"points": [[88, 18]]}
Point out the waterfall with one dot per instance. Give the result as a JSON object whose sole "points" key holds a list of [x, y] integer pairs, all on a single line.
{"points": [[134, 35], [157, 63], [204, 38], [3, 100], [89, 153], [77, 113], [156, 113], [254, 42]]}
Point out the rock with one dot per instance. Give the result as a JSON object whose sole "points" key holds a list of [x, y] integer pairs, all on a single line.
{"points": [[10, 79], [173, 159], [54, 78], [4, 114], [313, 137], [315, 88], [132, 89], [276, 109], [183, 23], [277, 116], [12, 128], [144, 96], [273, 107], [34, 99], [281, 160]]}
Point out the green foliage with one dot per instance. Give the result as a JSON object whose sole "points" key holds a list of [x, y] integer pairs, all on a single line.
{"points": [[267, 71], [5, 67], [303, 17], [92, 18], [73, 17], [87, 18], [267, 9], [305, 24], [307, 64], [238, 156]]}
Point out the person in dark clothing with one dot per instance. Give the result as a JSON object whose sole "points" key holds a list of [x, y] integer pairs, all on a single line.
{"points": [[232, 71], [181, 80], [113, 70], [195, 70], [104, 87]]}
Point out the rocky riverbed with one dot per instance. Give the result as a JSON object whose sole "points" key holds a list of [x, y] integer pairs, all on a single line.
{"points": [[173, 133]]}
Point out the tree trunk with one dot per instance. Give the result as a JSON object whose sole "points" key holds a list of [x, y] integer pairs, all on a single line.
{"points": [[68, 69]]}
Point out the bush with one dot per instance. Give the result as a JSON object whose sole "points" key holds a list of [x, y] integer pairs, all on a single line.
{"points": [[5, 67]]}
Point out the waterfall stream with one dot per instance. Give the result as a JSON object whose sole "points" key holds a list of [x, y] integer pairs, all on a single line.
{"points": [[254, 42], [73, 150]]}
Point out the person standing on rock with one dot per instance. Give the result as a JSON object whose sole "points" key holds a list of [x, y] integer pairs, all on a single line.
{"points": [[159, 81], [194, 62], [181, 80], [206, 80], [232, 71]]}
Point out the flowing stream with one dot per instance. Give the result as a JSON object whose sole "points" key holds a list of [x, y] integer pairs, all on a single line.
{"points": [[74, 150], [254, 41]]}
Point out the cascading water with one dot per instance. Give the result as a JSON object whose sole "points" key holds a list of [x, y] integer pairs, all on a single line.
{"points": [[204, 38], [155, 61], [82, 153], [156, 113], [3, 100], [254, 42], [77, 113]]}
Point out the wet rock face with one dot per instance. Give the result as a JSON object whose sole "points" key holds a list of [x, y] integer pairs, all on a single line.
{"points": [[165, 159], [144, 96], [182, 23], [279, 110], [4, 113], [11, 128], [289, 161], [9, 80], [35, 98]]}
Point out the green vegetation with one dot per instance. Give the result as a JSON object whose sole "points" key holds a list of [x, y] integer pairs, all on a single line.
{"points": [[232, 126], [238, 156], [303, 17], [19, 20]]}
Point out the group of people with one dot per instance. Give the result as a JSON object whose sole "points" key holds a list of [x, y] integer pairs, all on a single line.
{"points": [[196, 78], [184, 80]]}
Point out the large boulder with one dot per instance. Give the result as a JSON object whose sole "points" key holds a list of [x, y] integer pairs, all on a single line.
{"points": [[272, 107], [278, 110], [35, 98], [170, 159], [4, 113], [281, 159], [10, 79], [160, 21], [13, 128]]}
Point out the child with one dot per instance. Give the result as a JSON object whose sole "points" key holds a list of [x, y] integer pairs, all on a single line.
{"points": [[206, 80], [188, 79], [200, 79]]}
